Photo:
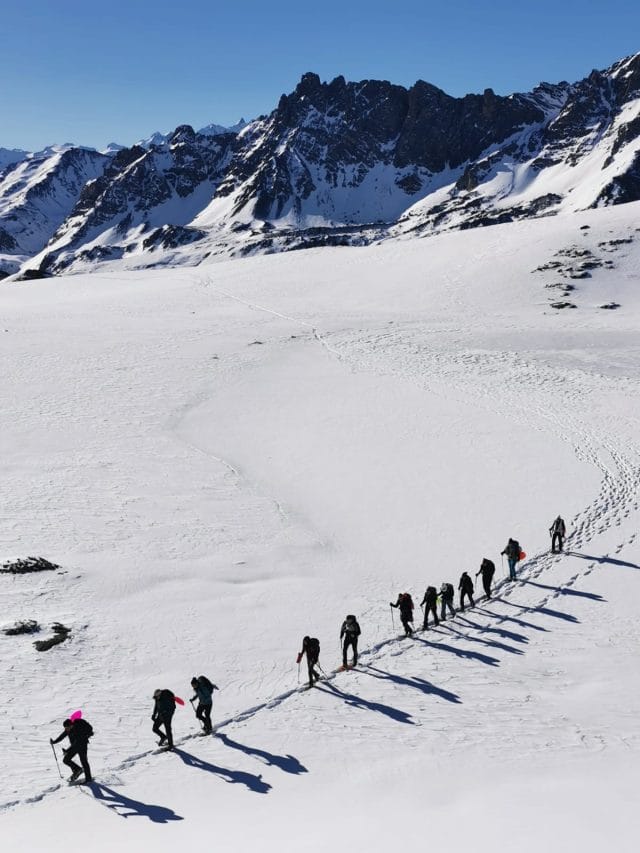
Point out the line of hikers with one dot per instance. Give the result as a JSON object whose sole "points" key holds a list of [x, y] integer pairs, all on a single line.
{"points": [[350, 630], [79, 731]]}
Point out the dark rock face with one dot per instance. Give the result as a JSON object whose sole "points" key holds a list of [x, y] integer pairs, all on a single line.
{"points": [[141, 185], [335, 163]]}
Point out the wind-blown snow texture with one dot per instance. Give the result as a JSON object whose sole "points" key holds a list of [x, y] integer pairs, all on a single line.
{"points": [[224, 460], [335, 163]]}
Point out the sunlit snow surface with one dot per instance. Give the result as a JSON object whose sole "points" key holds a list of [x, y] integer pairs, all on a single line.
{"points": [[223, 459]]}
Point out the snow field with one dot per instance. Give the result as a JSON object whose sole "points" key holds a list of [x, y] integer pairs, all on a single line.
{"points": [[224, 459]]}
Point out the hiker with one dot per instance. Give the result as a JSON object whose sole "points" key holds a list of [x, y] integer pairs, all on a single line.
{"points": [[78, 731], [512, 551], [487, 570], [466, 590], [163, 711], [405, 604], [557, 531], [310, 648], [350, 631], [429, 601], [203, 692], [446, 600]]}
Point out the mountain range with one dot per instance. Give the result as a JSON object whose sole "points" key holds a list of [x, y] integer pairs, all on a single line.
{"points": [[334, 163]]}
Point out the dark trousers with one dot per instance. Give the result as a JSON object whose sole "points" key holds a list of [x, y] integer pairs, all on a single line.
{"points": [[469, 595], [313, 675], [353, 642], [203, 713], [556, 538], [405, 619], [444, 603], [168, 734], [79, 749], [430, 608], [486, 583], [512, 567]]}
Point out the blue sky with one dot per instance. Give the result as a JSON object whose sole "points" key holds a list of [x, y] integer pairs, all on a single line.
{"points": [[89, 73]]}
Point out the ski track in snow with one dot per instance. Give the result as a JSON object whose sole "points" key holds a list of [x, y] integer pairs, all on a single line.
{"points": [[503, 381]]}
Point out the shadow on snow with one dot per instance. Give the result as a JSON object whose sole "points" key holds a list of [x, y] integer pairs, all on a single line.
{"points": [[461, 653], [233, 777], [604, 559], [285, 762], [546, 611], [359, 702], [126, 807], [418, 683], [500, 617], [496, 644], [565, 591]]}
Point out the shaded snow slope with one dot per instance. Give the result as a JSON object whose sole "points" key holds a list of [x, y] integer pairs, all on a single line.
{"points": [[224, 460]]}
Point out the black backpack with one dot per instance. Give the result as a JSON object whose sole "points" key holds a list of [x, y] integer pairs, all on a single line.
{"points": [[204, 681], [488, 567], [351, 626], [82, 730], [166, 703], [313, 648]]}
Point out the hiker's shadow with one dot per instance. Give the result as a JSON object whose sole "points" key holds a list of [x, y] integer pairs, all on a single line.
{"points": [[501, 632], [606, 559], [126, 807], [496, 644], [566, 591], [546, 611], [418, 683], [359, 702], [234, 777], [461, 653], [522, 623], [285, 762]]}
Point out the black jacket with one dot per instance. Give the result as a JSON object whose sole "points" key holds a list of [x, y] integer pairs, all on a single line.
{"points": [[430, 597], [351, 629], [78, 733], [487, 569], [165, 705], [405, 604], [446, 592], [466, 584], [512, 549]]}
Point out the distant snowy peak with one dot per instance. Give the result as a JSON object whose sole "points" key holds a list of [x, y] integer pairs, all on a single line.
{"points": [[112, 148], [219, 129], [8, 156], [158, 138], [334, 163]]}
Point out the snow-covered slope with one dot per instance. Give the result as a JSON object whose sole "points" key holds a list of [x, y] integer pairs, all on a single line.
{"points": [[224, 460], [38, 192]]}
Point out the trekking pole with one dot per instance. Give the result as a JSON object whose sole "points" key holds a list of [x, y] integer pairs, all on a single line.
{"points": [[194, 707], [502, 558], [393, 621], [56, 758], [298, 672]]}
